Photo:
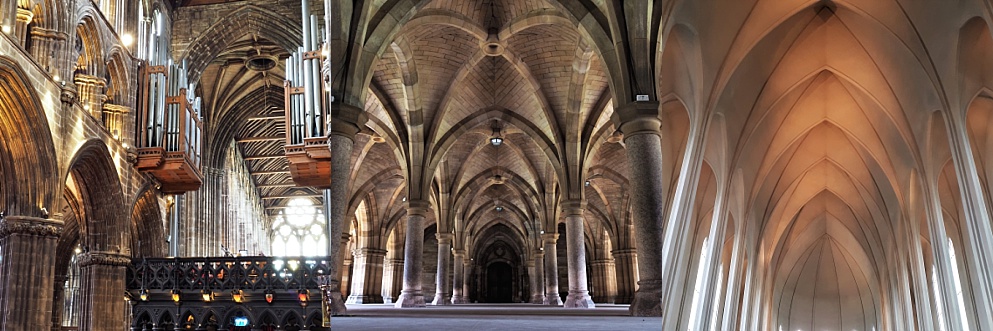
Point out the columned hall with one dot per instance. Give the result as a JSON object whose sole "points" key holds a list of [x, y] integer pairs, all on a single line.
{"points": [[496, 164]]}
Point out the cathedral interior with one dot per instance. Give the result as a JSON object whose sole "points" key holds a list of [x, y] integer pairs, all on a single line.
{"points": [[696, 164]]}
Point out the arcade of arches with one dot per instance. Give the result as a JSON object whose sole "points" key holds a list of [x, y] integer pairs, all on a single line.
{"points": [[723, 165]]}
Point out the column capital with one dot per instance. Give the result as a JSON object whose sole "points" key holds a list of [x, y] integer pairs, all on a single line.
{"points": [[369, 252], [538, 253], [637, 118], [417, 207], [32, 226], [458, 253], [103, 258], [345, 120], [573, 207], [549, 238], [445, 238]]}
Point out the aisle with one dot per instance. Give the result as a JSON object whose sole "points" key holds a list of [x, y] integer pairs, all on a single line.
{"points": [[482, 317]]}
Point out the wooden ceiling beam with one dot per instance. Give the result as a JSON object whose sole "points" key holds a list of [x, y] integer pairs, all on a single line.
{"points": [[260, 139]]}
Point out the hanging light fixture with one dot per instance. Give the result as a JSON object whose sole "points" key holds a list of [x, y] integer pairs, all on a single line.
{"points": [[497, 138], [175, 295], [143, 295], [237, 296], [269, 294], [304, 297], [207, 295]]}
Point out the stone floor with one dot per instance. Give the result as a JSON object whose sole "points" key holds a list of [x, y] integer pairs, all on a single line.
{"points": [[481, 317]]}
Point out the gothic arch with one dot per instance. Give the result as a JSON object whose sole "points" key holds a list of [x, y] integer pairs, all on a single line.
{"points": [[27, 151], [93, 172]]}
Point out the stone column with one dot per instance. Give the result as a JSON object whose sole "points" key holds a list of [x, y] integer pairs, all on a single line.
{"points": [[58, 295], [551, 270], [343, 123], [27, 262], [443, 294], [24, 17], [604, 281], [538, 288], [643, 145], [468, 267], [102, 284], [46, 49], [626, 274], [393, 271], [91, 93], [367, 280], [579, 293], [458, 297], [412, 294], [345, 261]]}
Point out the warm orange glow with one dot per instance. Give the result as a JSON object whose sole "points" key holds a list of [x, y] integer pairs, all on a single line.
{"points": [[268, 297], [237, 296], [208, 296], [303, 296], [175, 295]]}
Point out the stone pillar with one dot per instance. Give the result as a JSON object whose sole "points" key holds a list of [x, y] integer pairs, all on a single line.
{"points": [[412, 294], [113, 119], [27, 262], [345, 261], [58, 296], [367, 280], [579, 293], [343, 123], [468, 272], [648, 198], [538, 287], [458, 296], [392, 280], [46, 49], [443, 294], [102, 285], [24, 17], [91, 93], [551, 270], [604, 281], [626, 274]]}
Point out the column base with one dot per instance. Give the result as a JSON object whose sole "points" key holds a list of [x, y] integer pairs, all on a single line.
{"points": [[579, 299], [648, 299], [364, 299], [441, 299], [336, 304], [410, 300], [552, 299], [459, 300], [538, 299]]}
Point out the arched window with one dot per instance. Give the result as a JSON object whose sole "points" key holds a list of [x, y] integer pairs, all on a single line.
{"points": [[958, 285], [299, 230], [695, 305], [71, 299]]}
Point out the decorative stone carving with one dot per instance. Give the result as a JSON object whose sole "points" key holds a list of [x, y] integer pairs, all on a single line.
{"points": [[103, 258], [31, 226]]}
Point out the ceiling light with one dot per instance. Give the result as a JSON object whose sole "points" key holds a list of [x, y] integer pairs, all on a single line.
{"points": [[498, 208], [587, 183], [496, 141], [127, 39], [6, 29]]}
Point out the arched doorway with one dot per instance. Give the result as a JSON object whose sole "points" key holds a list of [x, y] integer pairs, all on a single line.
{"points": [[499, 283]]}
